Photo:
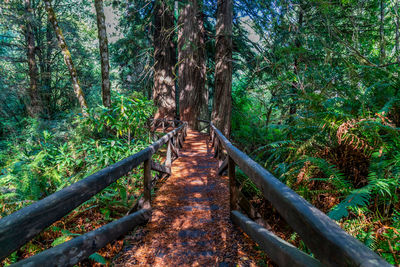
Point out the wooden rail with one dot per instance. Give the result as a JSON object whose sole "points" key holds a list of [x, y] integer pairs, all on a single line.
{"points": [[23, 225], [331, 245]]}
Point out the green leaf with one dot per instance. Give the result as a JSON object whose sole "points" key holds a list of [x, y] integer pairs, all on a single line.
{"points": [[98, 258], [60, 240]]}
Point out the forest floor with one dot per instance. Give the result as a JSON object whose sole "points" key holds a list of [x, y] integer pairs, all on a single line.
{"points": [[190, 225]]}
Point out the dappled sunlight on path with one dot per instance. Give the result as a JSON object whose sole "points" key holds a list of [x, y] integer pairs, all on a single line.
{"points": [[190, 224]]}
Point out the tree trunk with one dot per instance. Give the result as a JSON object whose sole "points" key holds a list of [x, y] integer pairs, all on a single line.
{"points": [[193, 98], [104, 56], [382, 33], [293, 106], [48, 70], [396, 8], [35, 105], [164, 61], [221, 114], [67, 58]]}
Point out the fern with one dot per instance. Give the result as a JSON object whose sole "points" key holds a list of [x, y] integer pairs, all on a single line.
{"points": [[357, 198], [336, 177]]}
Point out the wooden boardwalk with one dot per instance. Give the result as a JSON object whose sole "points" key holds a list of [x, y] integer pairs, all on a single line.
{"points": [[190, 225]]}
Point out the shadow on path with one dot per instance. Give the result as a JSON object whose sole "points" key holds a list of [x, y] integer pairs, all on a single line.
{"points": [[190, 225]]}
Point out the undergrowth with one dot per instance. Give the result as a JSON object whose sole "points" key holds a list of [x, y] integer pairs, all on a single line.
{"points": [[343, 161], [46, 156]]}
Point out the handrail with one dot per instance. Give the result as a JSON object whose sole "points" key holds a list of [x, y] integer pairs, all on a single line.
{"points": [[21, 226], [330, 244], [165, 123], [81, 247]]}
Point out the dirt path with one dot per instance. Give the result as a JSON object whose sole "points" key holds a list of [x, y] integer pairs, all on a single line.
{"points": [[190, 225]]}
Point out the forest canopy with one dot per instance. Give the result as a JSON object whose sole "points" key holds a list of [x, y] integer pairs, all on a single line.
{"points": [[308, 89]]}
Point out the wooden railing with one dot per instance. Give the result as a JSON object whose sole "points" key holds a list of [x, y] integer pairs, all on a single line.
{"points": [[23, 225], [331, 245]]}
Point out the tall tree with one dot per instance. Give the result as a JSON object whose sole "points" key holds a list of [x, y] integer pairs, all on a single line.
{"points": [[164, 60], [35, 105], [67, 57], [104, 56], [382, 31], [397, 35], [193, 98], [297, 58], [221, 114]]}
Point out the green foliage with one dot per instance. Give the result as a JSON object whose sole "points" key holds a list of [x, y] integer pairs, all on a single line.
{"points": [[44, 159], [127, 117], [98, 258], [66, 236]]}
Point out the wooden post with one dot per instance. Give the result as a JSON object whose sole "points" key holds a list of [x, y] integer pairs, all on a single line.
{"points": [[168, 160], [178, 140], [233, 191], [220, 153], [181, 139], [176, 144], [216, 148], [147, 184]]}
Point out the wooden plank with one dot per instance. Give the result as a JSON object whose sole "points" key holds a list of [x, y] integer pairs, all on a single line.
{"points": [[331, 244], [175, 150], [280, 251], [21, 226], [160, 168], [81, 247], [223, 167], [146, 184], [233, 190]]}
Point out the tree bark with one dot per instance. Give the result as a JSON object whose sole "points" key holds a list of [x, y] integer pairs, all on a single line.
{"points": [[164, 61], [48, 69], [396, 8], [193, 98], [67, 58], [104, 55], [221, 114], [293, 106], [35, 104], [382, 33]]}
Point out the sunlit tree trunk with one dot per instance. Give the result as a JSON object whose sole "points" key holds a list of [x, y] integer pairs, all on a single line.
{"points": [[164, 60], [221, 114], [193, 98], [35, 103], [396, 7], [67, 58], [104, 56]]}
